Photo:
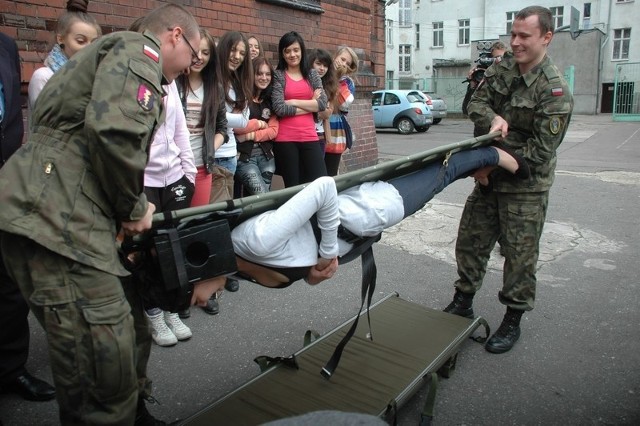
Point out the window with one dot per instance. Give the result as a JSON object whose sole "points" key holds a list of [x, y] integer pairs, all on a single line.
{"points": [[417, 36], [586, 12], [404, 13], [404, 57], [391, 99], [377, 99], [438, 34], [621, 41], [557, 13], [312, 6], [463, 32], [510, 17], [389, 82], [389, 32]]}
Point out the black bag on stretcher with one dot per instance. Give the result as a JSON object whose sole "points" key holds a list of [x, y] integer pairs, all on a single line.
{"points": [[171, 259]]}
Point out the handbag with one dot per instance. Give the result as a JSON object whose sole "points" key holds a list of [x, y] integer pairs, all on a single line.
{"points": [[341, 135]]}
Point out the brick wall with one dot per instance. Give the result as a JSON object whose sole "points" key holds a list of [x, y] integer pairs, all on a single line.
{"points": [[356, 23]]}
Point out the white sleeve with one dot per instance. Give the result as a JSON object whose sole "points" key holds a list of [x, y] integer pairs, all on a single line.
{"points": [[319, 197]]}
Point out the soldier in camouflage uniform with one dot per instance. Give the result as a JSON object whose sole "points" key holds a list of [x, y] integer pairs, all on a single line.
{"points": [[68, 191], [526, 98]]}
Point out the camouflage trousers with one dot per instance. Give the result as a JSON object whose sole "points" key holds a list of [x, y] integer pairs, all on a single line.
{"points": [[517, 219], [89, 328]]}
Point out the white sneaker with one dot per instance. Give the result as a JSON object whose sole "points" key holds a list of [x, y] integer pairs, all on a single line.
{"points": [[181, 331], [160, 332]]}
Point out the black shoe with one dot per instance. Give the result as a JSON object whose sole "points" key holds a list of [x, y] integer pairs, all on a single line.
{"points": [[185, 313], [212, 307], [30, 388], [144, 417], [232, 285], [507, 334], [461, 305]]}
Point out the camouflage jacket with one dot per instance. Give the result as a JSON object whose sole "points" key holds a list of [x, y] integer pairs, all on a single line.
{"points": [[81, 172], [538, 108]]}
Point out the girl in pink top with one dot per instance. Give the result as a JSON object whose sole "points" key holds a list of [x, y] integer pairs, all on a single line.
{"points": [[297, 97]]}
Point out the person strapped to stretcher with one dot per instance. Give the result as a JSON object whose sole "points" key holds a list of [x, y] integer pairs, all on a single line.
{"points": [[306, 236]]}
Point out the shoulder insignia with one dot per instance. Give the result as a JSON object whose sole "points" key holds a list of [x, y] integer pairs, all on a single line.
{"points": [[150, 52], [555, 124], [557, 91], [145, 98]]}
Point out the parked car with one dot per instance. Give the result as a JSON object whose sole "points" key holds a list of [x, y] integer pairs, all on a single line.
{"points": [[437, 105], [404, 110]]}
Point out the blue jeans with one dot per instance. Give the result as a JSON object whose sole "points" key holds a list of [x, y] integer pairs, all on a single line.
{"points": [[256, 173], [229, 163], [417, 188]]}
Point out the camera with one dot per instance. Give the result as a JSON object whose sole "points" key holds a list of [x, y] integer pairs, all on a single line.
{"points": [[483, 62]]}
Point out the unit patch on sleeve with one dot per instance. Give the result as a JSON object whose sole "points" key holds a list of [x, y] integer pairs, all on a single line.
{"points": [[145, 98], [555, 125]]}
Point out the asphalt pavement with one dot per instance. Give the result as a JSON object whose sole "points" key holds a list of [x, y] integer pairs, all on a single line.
{"points": [[577, 361]]}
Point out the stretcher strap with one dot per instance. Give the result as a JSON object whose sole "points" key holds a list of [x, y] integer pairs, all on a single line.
{"points": [[178, 257], [266, 362], [369, 274], [427, 412]]}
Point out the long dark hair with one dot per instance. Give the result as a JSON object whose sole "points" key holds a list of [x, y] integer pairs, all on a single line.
{"points": [[210, 82], [260, 94], [329, 80], [241, 79], [287, 40]]}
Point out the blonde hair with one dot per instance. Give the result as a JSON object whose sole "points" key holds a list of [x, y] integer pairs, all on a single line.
{"points": [[354, 58]]}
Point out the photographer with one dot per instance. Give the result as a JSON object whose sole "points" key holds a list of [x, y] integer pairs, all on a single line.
{"points": [[486, 59]]}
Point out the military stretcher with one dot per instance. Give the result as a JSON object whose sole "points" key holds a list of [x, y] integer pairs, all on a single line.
{"points": [[377, 375], [412, 343]]}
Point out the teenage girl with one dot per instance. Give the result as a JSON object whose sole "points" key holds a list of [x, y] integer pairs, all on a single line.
{"points": [[255, 48], [75, 29], [203, 101], [322, 62], [236, 76], [256, 164], [346, 65], [297, 96]]}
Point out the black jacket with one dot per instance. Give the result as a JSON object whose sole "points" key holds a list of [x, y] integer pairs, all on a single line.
{"points": [[11, 127]]}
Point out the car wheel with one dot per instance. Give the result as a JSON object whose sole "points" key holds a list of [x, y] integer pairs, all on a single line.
{"points": [[422, 129], [437, 120], [404, 126]]}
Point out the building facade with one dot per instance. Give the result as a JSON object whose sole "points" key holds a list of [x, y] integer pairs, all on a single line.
{"points": [[323, 24], [429, 41]]}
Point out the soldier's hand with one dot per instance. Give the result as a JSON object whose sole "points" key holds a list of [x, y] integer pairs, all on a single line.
{"points": [[136, 227], [499, 123]]}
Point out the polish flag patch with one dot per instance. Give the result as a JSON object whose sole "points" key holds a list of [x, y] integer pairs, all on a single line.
{"points": [[151, 53], [557, 91]]}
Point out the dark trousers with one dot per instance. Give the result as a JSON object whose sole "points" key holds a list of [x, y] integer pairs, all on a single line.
{"points": [[14, 331], [332, 162], [299, 162]]}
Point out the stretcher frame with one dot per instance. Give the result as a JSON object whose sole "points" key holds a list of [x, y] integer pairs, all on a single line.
{"points": [[411, 343]]}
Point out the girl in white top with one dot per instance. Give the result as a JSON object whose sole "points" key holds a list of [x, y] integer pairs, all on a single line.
{"points": [[203, 101], [75, 30], [236, 76]]}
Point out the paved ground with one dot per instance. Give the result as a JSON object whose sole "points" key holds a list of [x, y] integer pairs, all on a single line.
{"points": [[578, 361]]}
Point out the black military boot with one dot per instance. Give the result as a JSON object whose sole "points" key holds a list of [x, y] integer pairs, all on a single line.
{"points": [[507, 334], [461, 304], [144, 417]]}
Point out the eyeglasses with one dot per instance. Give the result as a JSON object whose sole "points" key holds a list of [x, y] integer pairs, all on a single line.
{"points": [[194, 55]]}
